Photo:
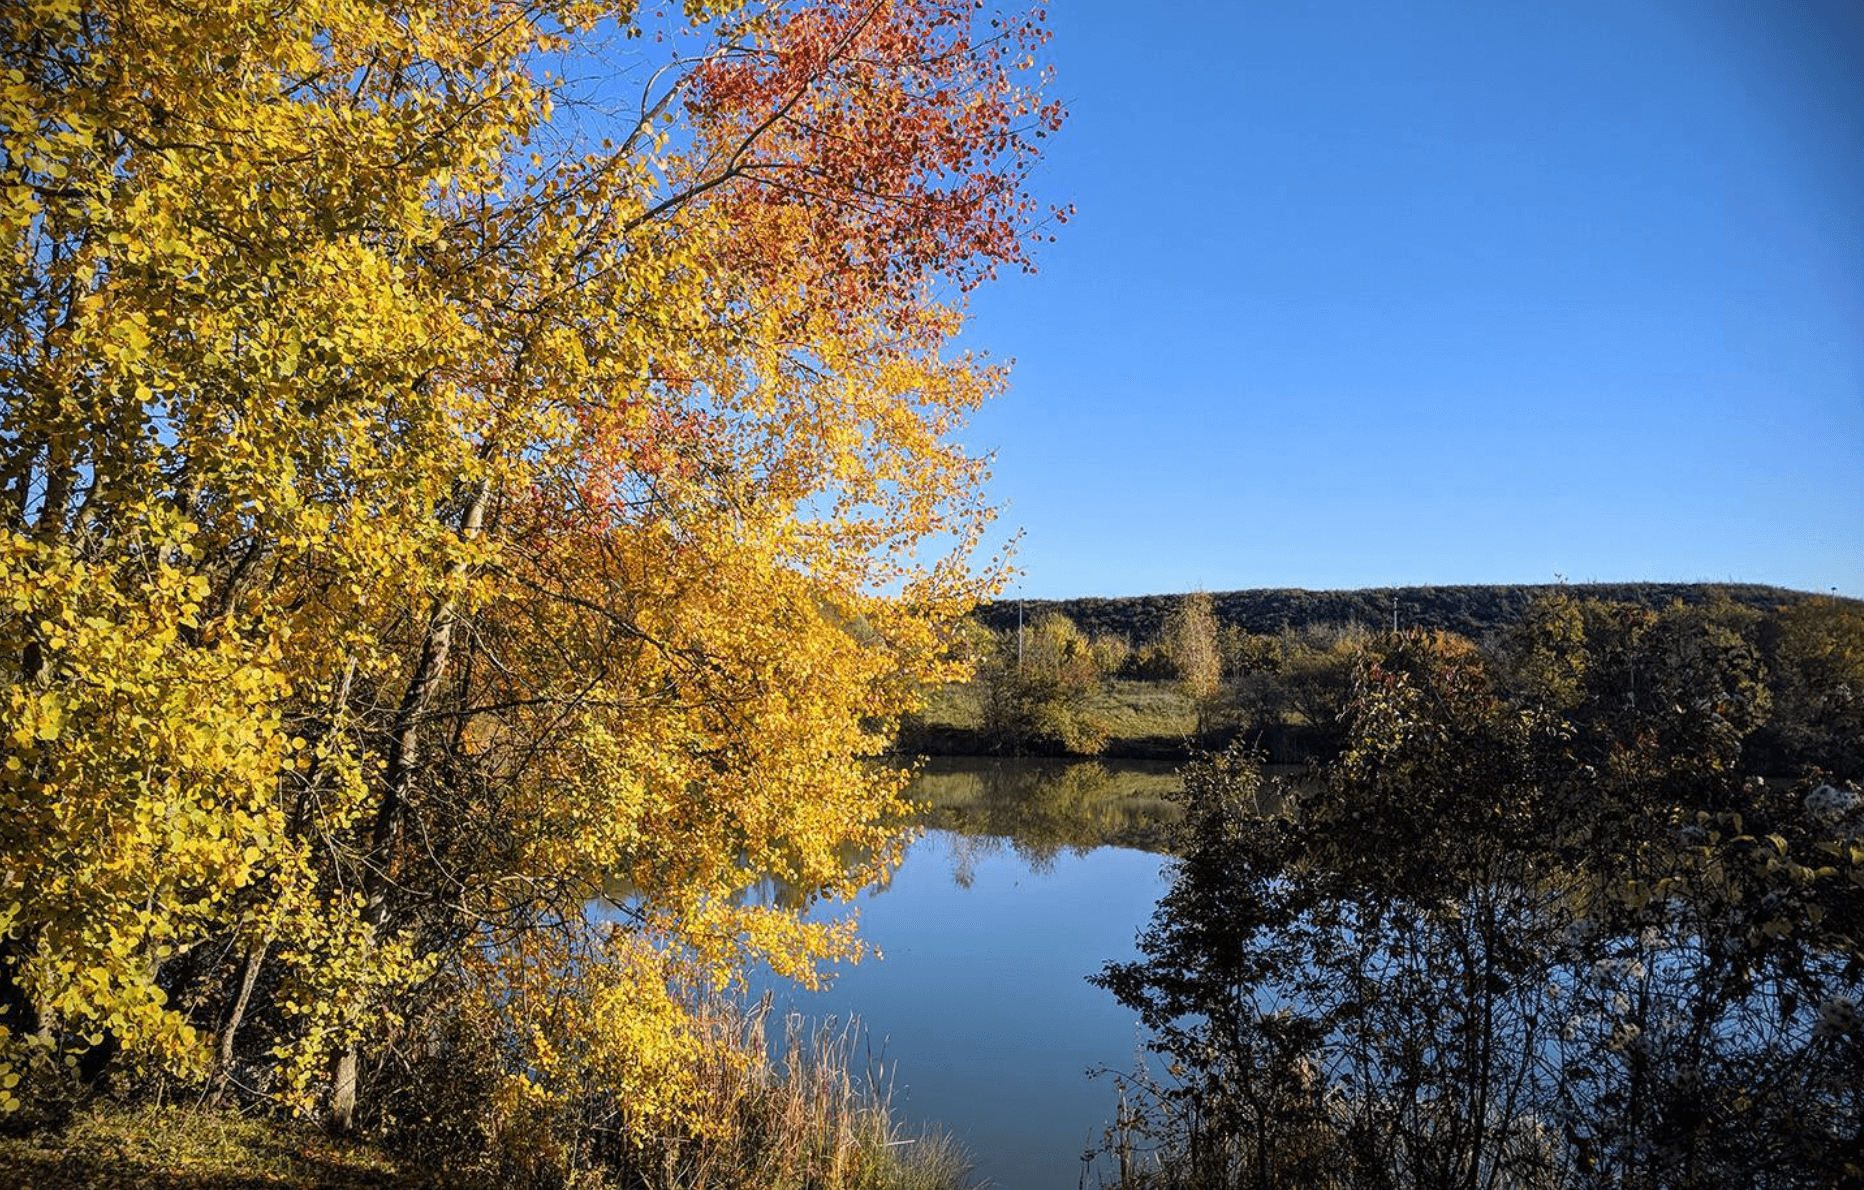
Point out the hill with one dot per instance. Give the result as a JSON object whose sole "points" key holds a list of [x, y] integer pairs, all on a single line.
{"points": [[1471, 611]]}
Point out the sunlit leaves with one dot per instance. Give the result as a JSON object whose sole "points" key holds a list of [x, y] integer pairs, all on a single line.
{"points": [[422, 516]]}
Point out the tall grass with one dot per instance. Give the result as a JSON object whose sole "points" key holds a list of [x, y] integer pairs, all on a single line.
{"points": [[814, 1112]]}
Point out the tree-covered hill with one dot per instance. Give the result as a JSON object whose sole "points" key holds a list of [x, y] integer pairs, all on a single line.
{"points": [[1471, 611]]}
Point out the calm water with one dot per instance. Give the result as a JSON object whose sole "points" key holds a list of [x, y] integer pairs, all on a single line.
{"points": [[980, 1004]]}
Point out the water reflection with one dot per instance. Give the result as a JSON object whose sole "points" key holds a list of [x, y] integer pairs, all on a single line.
{"points": [[1040, 808], [1389, 991], [979, 1006], [1028, 876]]}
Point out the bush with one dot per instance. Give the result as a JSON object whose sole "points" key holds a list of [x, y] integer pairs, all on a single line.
{"points": [[1468, 957]]}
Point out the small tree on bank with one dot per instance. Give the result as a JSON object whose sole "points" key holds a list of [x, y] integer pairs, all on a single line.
{"points": [[1036, 690], [1191, 641]]}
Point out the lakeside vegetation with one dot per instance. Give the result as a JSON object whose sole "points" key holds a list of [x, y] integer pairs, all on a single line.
{"points": [[1196, 679], [1574, 905], [811, 1112], [1528, 929]]}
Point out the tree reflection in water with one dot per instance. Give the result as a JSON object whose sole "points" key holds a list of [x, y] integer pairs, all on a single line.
{"points": [[1035, 808], [1039, 808], [1489, 949]]}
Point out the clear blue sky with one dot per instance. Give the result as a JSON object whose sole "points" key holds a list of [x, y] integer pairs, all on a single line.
{"points": [[1366, 293]]}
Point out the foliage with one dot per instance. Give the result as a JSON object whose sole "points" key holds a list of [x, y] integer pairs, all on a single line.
{"points": [[817, 1115], [1470, 956], [1143, 720], [422, 515], [1110, 651], [813, 1112], [1245, 653], [1778, 668], [1191, 639], [1475, 612], [1036, 684], [1292, 699], [1815, 652]]}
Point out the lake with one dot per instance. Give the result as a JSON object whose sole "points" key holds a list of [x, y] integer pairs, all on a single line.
{"points": [[1018, 890]]}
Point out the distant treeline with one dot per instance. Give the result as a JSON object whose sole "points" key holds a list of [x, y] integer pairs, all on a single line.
{"points": [[1471, 611]]}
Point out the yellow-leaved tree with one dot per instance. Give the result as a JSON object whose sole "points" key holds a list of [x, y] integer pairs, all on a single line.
{"points": [[431, 505]]}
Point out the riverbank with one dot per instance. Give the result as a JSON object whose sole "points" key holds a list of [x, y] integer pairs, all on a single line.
{"points": [[1128, 681], [810, 1113], [1145, 720]]}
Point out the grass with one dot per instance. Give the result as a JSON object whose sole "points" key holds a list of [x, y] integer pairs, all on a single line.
{"points": [[183, 1148], [955, 705], [1142, 718], [1143, 710], [815, 1116]]}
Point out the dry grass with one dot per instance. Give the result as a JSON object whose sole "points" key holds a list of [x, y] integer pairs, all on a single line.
{"points": [[816, 1117], [1143, 710], [180, 1148]]}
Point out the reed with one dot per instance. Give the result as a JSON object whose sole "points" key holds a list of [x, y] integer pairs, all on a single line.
{"points": [[814, 1111]]}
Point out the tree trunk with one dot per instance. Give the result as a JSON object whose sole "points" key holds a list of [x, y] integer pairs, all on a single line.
{"points": [[255, 958], [343, 1092], [404, 753], [404, 757]]}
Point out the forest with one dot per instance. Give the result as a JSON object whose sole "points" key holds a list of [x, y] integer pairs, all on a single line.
{"points": [[1468, 610]]}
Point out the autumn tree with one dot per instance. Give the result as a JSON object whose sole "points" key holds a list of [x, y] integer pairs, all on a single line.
{"points": [[431, 505], [1296, 688], [1672, 692], [1110, 652], [1036, 686], [1191, 637]]}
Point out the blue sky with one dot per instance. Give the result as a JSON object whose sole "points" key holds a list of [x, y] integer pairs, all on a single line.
{"points": [[1373, 293]]}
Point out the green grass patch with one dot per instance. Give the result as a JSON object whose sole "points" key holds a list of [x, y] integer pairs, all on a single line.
{"points": [[954, 706], [1143, 710]]}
